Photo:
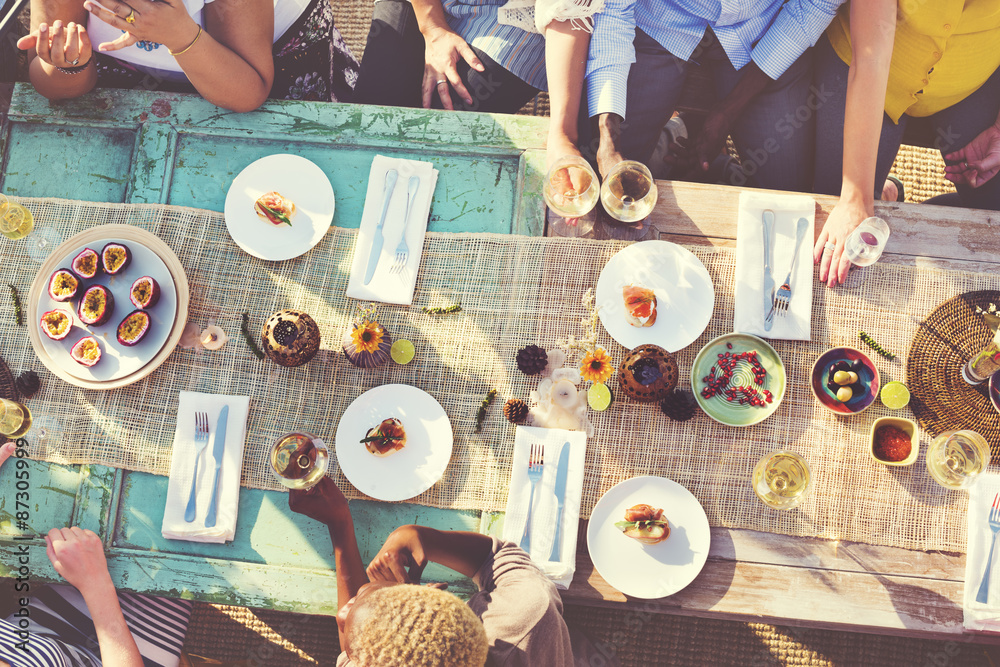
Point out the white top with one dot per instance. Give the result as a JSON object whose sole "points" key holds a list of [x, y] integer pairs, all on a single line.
{"points": [[151, 54]]}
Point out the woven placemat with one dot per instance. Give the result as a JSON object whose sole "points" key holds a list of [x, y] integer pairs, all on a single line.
{"points": [[947, 338], [7, 388]]}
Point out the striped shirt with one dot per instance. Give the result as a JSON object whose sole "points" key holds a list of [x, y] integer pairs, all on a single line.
{"points": [[60, 632], [520, 52], [772, 33]]}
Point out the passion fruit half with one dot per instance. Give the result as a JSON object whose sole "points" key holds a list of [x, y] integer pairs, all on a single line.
{"points": [[145, 292], [57, 324], [115, 257], [63, 285], [96, 305], [133, 328], [86, 264], [86, 351]]}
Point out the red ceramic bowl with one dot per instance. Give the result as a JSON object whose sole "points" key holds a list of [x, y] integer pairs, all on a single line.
{"points": [[867, 375]]}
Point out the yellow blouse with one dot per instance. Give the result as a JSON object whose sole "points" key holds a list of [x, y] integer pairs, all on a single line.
{"points": [[943, 52]]}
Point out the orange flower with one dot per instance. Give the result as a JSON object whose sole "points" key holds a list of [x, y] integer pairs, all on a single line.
{"points": [[367, 336], [596, 366]]}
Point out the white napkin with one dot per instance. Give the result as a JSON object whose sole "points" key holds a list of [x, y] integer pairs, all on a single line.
{"points": [[182, 469], [978, 616], [543, 512], [748, 316], [384, 286]]}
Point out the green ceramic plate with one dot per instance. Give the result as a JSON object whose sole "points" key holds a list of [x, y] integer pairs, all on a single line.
{"points": [[732, 413]]}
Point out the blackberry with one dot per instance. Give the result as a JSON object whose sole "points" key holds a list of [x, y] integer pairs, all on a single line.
{"points": [[531, 360], [679, 405], [27, 384]]}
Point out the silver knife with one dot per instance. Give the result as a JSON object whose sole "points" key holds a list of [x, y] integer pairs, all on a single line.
{"points": [[768, 218], [562, 473], [218, 449], [379, 237]]}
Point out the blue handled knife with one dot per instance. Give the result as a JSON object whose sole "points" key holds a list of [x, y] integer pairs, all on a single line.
{"points": [[378, 238], [218, 449], [562, 473]]}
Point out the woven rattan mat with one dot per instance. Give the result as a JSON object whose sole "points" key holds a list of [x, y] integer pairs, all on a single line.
{"points": [[506, 304], [942, 401], [7, 388]]}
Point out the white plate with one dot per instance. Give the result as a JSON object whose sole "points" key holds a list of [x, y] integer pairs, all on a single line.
{"points": [[657, 570], [117, 360], [413, 469], [293, 177], [685, 296]]}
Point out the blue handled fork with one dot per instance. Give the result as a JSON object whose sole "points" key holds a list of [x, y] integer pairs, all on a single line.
{"points": [[994, 520]]}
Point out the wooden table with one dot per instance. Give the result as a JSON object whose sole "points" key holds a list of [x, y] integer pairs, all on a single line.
{"points": [[134, 146]]}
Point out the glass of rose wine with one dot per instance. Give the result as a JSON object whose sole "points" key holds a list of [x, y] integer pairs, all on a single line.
{"points": [[781, 479], [571, 192], [299, 460], [628, 196]]}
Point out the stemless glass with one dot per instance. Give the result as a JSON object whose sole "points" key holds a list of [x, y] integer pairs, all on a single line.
{"points": [[865, 244], [955, 458], [781, 479], [628, 196], [299, 460], [571, 192]]}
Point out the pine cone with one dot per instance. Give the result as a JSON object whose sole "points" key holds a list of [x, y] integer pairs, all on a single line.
{"points": [[532, 360], [515, 410], [679, 405], [27, 384]]}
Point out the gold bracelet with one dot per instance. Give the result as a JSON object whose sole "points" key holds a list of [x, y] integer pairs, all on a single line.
{"points": [[185, 50]]}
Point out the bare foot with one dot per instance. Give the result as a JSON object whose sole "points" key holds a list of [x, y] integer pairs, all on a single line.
{"points": [[889, 191]]}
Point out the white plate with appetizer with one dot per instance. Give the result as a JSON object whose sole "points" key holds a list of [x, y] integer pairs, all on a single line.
{"points": [[394, 442], [655, 292], [107, 306], [648, 537], [279, 207]]}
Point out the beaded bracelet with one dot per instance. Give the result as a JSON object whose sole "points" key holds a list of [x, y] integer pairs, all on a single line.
{"points": [[77, 69], [188, 48]]}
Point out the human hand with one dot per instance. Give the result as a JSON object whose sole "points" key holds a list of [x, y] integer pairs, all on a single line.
{"points": [[7, 450], [977, 162], [401, 559], [59, 45], [165, 22], [78, 556], [843, 219], [324, 502], [695, 156], [442, 52]]}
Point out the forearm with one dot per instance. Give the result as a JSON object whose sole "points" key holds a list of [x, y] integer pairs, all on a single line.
{"points": [[566, 64], [118, 648], [54, 85], [430, 16], [752, 80], [464, 552], [346, 559], [221, 75]]}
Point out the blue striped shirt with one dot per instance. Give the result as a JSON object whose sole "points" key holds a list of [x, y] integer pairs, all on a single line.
{"points": [[520, 52], [772, 33]]}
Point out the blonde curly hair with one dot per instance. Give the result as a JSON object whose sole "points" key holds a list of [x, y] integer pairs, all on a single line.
{"points": [[417, 626]]}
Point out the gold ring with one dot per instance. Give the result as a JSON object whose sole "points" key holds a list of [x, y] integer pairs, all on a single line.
{"points": [[131, 17]]}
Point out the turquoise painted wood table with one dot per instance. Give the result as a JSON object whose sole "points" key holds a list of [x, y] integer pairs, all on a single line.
{"points": [[143, 147]]}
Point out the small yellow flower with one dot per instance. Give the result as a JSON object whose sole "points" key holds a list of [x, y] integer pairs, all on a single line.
{"points": [[367, 336], [596, 366]]}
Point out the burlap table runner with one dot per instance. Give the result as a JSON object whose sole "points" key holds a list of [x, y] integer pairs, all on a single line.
{"points": [[513, 290]]}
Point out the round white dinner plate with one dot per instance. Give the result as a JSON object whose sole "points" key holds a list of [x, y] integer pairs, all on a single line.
{"points": [[117, 360], [685, 296], [649, 571], [296, 179], [411, 470]]}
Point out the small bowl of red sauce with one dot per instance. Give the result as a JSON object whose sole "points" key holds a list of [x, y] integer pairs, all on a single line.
{"points": [[895, 441]]}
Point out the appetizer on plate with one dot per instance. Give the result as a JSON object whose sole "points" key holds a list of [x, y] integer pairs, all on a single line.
{"points": [[86, 351], [387, 438], [645, 523], [640, 305], [275, 208]]}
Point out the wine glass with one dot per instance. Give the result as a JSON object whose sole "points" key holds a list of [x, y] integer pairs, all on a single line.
{"points": [[571, 192], [15, 419], [781, 479], [628, 195], [299, 460], [16, 222], [955, 458]]}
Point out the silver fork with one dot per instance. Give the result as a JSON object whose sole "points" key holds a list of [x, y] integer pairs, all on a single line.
{"points": [[402, 250], [536, 465], [200, 443], [994, 520], [785, 292]]}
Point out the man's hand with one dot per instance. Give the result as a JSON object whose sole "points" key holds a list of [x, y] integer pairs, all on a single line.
{"points": [[78, 556], [695, 156], [444, 48], [609, 133], [977, 162], [401, 559], [324, 502]]}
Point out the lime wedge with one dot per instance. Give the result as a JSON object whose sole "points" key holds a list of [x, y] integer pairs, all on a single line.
{"points": [[895, 395], [599, 397], [402, 351]]}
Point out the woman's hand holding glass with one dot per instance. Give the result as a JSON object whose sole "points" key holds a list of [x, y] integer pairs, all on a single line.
{"points": [[59, 45], [829, 250], [165, 22]]}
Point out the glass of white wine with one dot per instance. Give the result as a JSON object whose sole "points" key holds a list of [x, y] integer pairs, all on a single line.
{"points": [[571, 192], [628, 196], [16, 222], [15, 418], [781, 479], [955, 458], [299, 460]]}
